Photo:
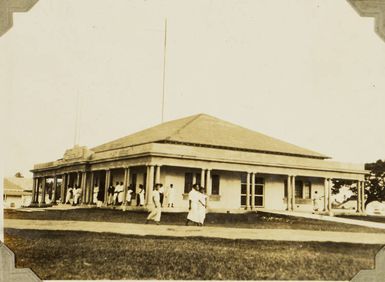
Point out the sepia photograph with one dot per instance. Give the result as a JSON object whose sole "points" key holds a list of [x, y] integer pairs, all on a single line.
{"points": [[192, 140]]}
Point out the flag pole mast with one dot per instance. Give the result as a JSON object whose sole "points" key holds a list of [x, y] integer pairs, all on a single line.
{"points": [[164, 66]]}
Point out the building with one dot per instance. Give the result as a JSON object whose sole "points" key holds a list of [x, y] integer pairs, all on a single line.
{"points": [[17, 192], [241, 169]]}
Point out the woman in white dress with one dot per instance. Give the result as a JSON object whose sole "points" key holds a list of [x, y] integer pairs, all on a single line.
{"points": [[193, 214], [96, 192], [171, 196], [141, 195]]}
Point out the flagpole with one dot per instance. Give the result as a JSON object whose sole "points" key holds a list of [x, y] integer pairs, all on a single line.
{"points": [[164, 66]]}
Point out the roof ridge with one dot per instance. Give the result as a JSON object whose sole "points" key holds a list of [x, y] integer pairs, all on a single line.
{"points": [[193, 118]]}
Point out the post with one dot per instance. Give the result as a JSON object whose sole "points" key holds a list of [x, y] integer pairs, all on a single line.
{"points": [[208, 182], [363, 196], [63, 187], [33, 190], [252, 190], [150, 185], [359, 194], [78, 175], [54, 189], [293, 192], [91, 190], [329, 196], [106, 185], [125, 185], [157, 174], [43, 191], [288, 186], [83, 186], [326, 194], [203, 177], [248, 190]]}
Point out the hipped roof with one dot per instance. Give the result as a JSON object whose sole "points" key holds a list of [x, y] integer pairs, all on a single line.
{"points": [[205, 130]]}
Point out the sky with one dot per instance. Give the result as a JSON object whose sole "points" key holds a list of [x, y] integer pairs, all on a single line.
{"points": [[305, 71]]}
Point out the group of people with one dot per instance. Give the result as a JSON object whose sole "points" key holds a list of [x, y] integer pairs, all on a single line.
{"points": [[73, 195], [197, 205]]}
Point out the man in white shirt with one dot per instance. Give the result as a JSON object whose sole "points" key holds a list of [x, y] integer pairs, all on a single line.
{"points": [[156, 210]]}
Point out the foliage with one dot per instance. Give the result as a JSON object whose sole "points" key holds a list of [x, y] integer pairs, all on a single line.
{"points": [[375, 182], [19, 175]]}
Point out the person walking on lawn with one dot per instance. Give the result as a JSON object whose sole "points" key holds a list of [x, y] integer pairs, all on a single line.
{"points": [[156, 210], [193, 197]]}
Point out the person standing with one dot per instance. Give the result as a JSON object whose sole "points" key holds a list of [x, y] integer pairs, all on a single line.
{"points": [[141, 195], [156, 210], [69, 195], [193, 215], [95, 194], [110, 194], [129, 195], [202, 205], [161, 194], [171, 196]]}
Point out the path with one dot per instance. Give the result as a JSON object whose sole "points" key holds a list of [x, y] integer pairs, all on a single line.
{"points": [[192, 231]]}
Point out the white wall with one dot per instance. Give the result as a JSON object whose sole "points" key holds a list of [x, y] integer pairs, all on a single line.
{"points": [[274, 192]]}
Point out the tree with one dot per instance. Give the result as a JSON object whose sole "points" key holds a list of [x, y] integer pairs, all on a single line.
{"points": [[18, 174], [375, 182]]}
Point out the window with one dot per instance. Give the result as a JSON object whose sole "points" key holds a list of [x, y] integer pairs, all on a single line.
{"points": [[302, 189], [298, 188], [307, 190], [258, 191], [215, 185], [198, 178], [188, 182]]}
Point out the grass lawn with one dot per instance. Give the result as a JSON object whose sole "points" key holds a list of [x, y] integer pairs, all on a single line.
{"points": [[380, 219], [248, 220], [84, 255]]}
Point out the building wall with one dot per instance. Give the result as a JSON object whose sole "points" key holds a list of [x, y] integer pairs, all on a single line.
{"points": [[17, 201], [275, 192]]}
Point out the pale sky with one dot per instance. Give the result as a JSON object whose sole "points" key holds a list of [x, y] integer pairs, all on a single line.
{"points": [[305, 71]]}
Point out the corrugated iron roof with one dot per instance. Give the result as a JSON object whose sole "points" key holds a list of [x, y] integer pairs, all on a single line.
{"points": [[206, 130]]}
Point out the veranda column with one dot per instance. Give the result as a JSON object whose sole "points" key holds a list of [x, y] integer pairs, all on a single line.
{"points": [[203, 177], [288, 186], [248, 190], [54, 189], [208, 182], [363, 196], [252, 190], [359, 194], [150, 185], [38, 180], [329, 195], [293, 193], [63, 187], [90, 199], [126, 182], [43, 191], [326, 183], [106, 185], [157, 174], [33, 190], [83, 186]]}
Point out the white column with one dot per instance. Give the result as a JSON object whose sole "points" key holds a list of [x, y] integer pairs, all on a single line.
{"points": [[106, 185], [90, 199], [329, 195], [293, 193], [202, 177], [248, 190], [126, 182], [83, 186], [157, 174], [252, 190], [288, 186], [359, 194], [363, 196], [326, 183], [43, 191], [150, 185], [208, 182], [54, 189]]}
